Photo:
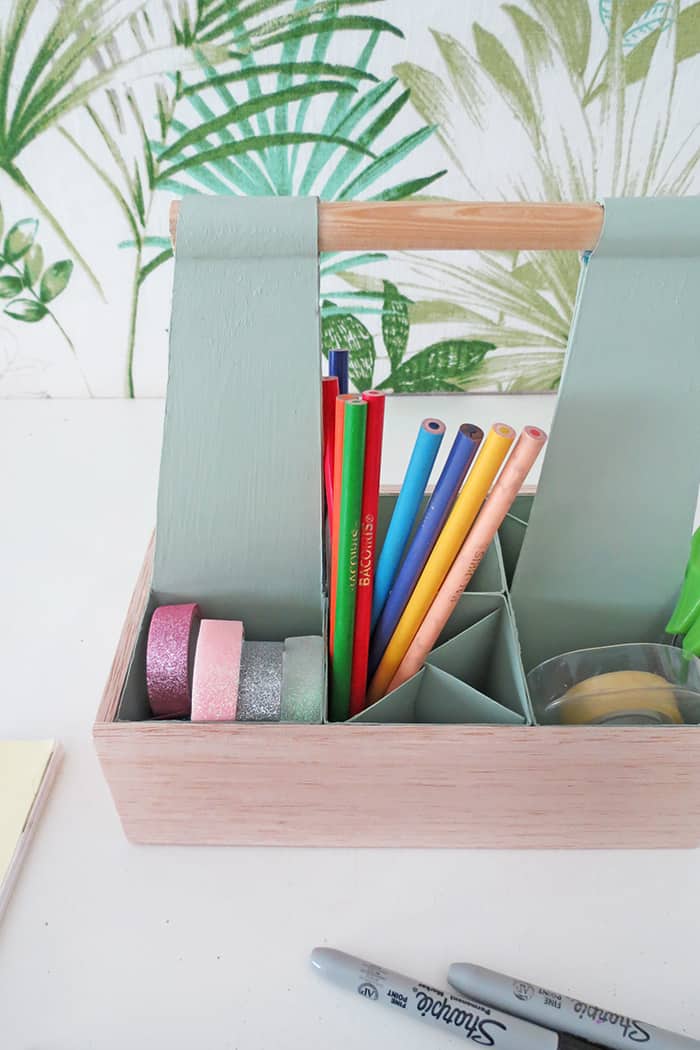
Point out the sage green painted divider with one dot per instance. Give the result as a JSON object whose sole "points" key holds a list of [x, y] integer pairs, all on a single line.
{"points": [[607, 540], [433, 697], [512, 533], [486, 657], [468, 610], [239, 499]]}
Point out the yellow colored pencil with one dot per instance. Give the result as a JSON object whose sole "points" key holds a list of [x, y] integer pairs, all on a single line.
{"points": [[467, 505]]}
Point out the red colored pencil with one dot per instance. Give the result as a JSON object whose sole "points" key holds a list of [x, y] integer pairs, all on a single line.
{"points": [[330, 393], [368, 537], [335, 519]]}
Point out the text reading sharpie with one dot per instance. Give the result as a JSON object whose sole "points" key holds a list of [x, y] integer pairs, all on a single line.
{"points": [[604, 1027], [457, 1016]]}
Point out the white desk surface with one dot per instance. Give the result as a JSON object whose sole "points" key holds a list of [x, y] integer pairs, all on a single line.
{"points": [[106, 945]]}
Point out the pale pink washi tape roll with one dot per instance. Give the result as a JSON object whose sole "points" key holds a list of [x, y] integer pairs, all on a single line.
{"points": [[217, 669], [169, 655]]}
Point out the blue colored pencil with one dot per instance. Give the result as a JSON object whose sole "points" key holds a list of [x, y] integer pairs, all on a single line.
{"points": [[462, 453], [338, 366], [425, 450]]}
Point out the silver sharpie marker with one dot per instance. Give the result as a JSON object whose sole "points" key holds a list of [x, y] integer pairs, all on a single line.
{"points": [[456, 1015], [604, 1027]]}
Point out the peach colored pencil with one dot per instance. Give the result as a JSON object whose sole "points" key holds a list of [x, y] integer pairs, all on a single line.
{"points": [[490, 517]]}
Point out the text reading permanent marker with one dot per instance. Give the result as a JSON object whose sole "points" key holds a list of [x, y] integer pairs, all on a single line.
{"points": [[604, 1027], [457, 1016]]}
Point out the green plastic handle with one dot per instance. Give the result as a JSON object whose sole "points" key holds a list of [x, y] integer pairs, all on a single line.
{"points": [[685, 619], [691, 642]]}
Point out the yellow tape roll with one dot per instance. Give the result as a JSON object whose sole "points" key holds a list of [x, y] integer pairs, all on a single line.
{"points": [[605, 695]]}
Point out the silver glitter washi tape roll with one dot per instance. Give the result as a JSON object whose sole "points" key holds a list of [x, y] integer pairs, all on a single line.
{"points": [[260, 683], [303, 679], [172, 635]]}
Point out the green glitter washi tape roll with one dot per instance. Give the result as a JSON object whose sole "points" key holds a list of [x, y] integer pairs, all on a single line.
{"points": [[302, 679]]}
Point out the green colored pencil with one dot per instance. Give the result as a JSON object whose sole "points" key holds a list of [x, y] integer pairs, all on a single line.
{"points": [[355, 423]]}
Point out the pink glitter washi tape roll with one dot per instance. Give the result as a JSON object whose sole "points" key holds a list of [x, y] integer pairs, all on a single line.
{"points": [[217, 668], [169, 657]]}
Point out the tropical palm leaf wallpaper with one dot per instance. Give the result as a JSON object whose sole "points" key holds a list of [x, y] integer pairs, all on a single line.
{"points": [[110, 108]]}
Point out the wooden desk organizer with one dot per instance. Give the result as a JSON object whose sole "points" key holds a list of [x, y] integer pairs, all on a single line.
{"points": [[452, 758]]}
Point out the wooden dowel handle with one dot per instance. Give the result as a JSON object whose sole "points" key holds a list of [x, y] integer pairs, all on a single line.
{"points": [[415, 226]]}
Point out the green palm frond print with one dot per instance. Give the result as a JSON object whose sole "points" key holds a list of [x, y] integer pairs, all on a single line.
{"points": [[584, 115], [108, 111]]}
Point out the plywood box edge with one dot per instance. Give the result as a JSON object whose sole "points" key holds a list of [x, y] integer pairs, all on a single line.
{"points": [[418, 786], [127, 639]]}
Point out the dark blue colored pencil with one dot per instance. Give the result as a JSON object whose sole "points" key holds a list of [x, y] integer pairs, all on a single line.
{"points": [[460, 457], [338, 366]]}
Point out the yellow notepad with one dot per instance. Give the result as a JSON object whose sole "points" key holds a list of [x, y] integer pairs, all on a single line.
{"points": [[26, 772]]}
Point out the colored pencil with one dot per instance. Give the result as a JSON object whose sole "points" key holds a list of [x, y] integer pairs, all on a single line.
{"points": [[330, 393], [490, 518], [350, 496], [338, 366], [368, 537], [466, 507], [406, 508], [464, 448], [335, 521]]}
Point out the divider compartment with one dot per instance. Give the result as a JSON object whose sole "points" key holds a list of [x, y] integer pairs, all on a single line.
{"points": [[512, 533], [434, 697], [486, 655], [468, 610], [474, 675]]}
